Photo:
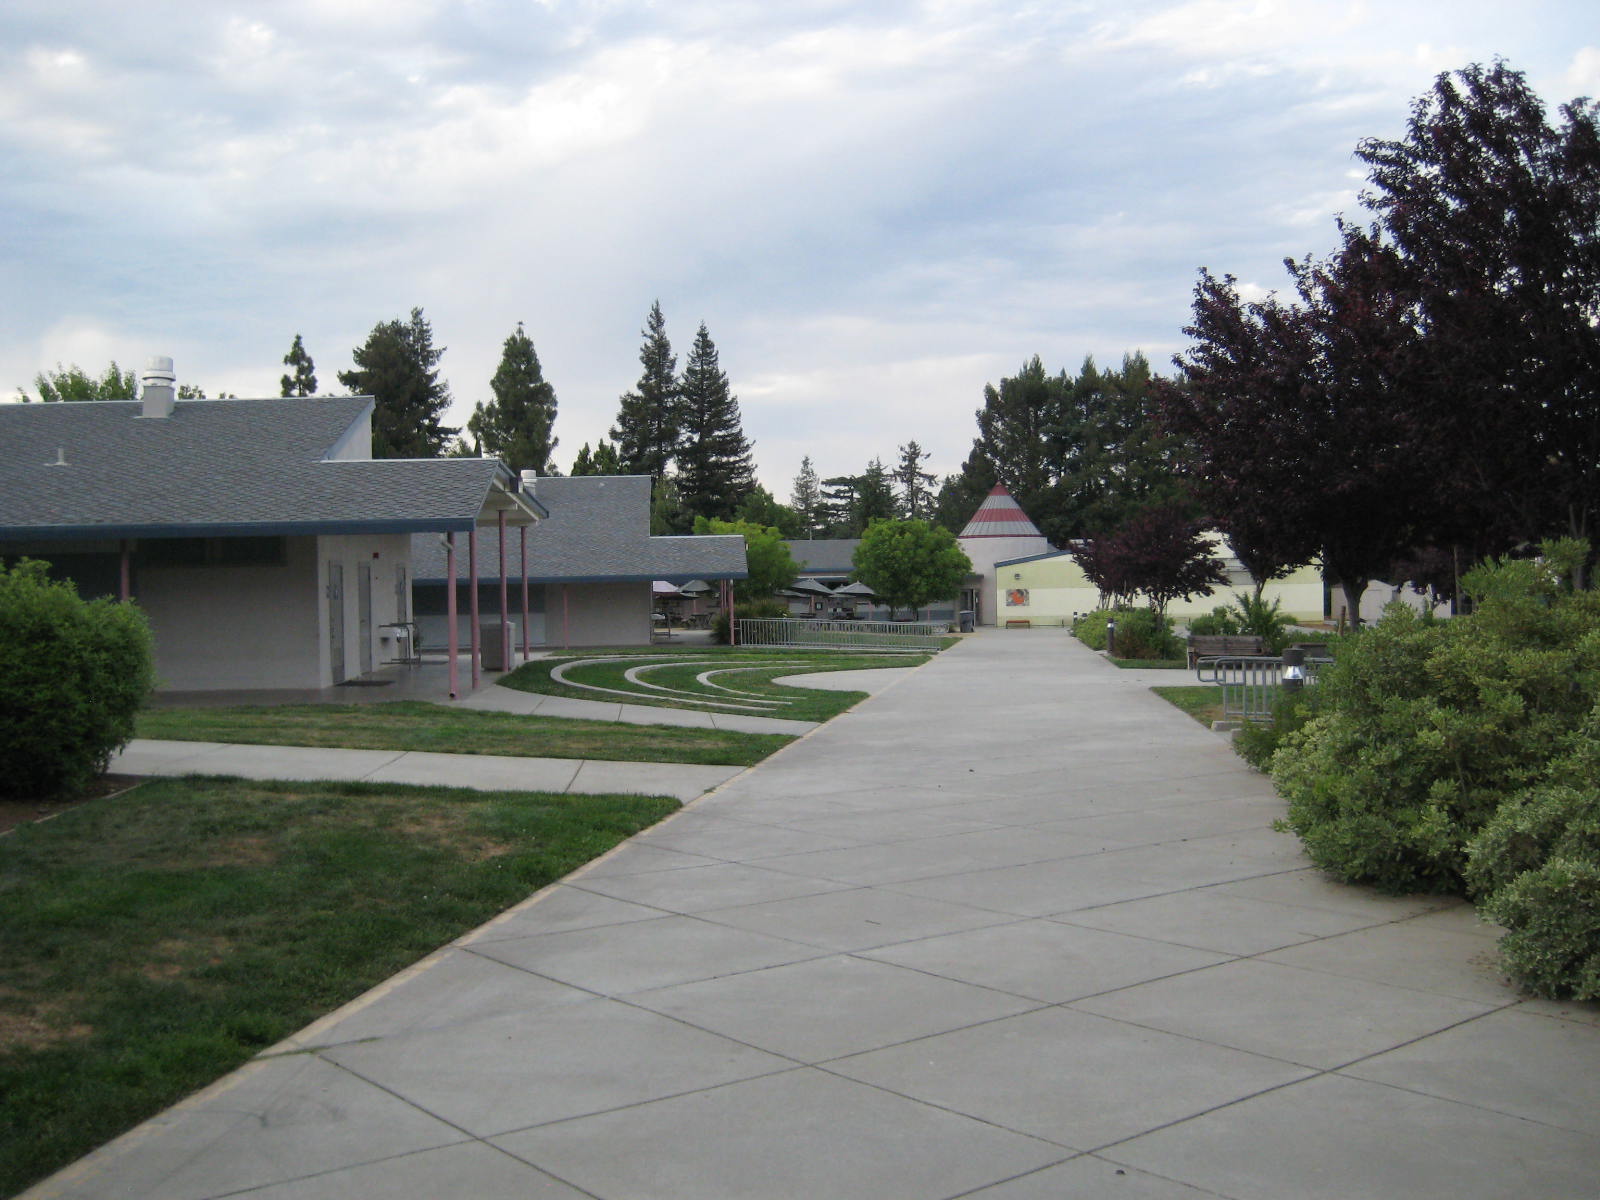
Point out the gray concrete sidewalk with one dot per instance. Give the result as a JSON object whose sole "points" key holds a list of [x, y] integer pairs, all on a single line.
{"points": [[1013, 929], [685, 781]]}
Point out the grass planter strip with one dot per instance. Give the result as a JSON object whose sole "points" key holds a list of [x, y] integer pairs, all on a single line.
{"points": [[1202, 701], [751, 672], [415, 725], [155, 940]]}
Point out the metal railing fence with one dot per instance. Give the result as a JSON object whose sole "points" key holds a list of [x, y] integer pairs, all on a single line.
{"points": [[842, 635], [1249, 684]]}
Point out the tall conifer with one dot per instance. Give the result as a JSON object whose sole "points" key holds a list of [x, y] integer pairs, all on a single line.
{"points": [[715, 468], [650, 417]]}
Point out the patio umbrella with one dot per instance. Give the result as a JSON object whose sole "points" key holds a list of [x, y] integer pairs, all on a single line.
{"points": [[813, 586], [694, 587], [856, 589]]}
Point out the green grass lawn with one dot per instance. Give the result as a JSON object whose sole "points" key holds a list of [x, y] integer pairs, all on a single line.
{"points": [[415, 725], [756, 670], [1202, 701], [1152, 664], [154, 940]]}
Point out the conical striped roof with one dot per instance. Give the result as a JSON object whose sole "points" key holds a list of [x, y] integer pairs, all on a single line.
{"points": [[1000, 516]]}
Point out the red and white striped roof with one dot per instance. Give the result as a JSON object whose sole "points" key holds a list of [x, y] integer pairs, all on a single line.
{"points": [[1000, 516]]}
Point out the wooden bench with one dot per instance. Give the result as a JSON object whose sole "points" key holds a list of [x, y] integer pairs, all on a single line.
{"points": [[1223, 645], [1018, 623]]}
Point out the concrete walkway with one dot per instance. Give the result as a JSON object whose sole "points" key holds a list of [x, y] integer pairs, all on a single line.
{"points": [[684, 781], [1012, 929]]}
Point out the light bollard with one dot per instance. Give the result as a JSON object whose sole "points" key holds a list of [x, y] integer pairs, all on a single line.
{"points": [[1111, 638], [1294, 668]]}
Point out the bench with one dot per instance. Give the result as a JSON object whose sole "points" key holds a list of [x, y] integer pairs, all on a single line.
{"points": [[1224, 645], [1018, 623]]}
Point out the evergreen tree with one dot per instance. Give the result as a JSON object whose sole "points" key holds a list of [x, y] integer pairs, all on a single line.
{"points": [[836, 510], [667, 513], [875, 500], [302, 377], [1014, 424], [601, 461], [961, 494], [398, 367], [715, 470], [761, 507], [916, 485], [516, 425], [806, 499], [650, 418]]}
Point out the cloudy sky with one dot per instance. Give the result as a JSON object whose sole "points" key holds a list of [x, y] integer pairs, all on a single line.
{"points": [[876, 207]]}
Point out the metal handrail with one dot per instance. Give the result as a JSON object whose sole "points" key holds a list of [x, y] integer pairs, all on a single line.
{"points": [[834, 635], [1250, 683]]}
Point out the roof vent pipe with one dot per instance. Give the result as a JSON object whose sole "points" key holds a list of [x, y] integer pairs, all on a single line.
{"points": [[156, 388], [530, 483]]}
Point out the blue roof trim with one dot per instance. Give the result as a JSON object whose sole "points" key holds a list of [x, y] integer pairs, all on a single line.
{"points": [[75, 533], [533, 577], [1011, 562]]}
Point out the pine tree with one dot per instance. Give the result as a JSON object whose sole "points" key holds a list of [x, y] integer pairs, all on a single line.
{"points": [[516, 425], [715, 469], [650, 418], [302, 377], [398, 367], [806, 498], [916, 485], [602, 460]]}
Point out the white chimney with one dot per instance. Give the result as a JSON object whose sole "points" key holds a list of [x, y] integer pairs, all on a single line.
{"points": [[530, 483], [156, 388]]}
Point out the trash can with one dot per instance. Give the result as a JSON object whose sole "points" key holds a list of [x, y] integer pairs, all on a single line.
{"points": [[969, 620]]}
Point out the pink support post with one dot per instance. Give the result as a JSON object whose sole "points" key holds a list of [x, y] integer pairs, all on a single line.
{"points": [[524, 531], [505, 611], [472, 609], [733, 629], [452, 636]]}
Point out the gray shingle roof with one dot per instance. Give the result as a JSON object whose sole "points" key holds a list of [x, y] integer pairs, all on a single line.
{"points": [[824, 556], [217, 468], [598, 532]]}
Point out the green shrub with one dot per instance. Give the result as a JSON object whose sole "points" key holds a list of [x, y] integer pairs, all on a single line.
{"points": [[1552, 920], [1257, 618], [752, 610], [1090, 628], [72, 676], [1426, 727], [1258, 741], [1140, 633], [1143, 634], [1221, 620]]}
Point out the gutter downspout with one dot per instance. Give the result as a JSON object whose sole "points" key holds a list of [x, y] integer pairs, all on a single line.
{"points": [[524, 532]]}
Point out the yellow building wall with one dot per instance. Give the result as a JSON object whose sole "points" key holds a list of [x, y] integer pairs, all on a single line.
{"points": [[1050, 591]]}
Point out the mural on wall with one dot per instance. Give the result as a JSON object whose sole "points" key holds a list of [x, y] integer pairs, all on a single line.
{"points": [[1016, 597]]}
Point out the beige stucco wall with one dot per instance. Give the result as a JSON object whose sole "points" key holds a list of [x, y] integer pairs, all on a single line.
{"points": [[268, 626], [597, 614]]}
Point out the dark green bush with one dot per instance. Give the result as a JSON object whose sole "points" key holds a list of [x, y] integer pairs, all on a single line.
{"points": [[751, 610], [1427, 727], [1258, 741], [1552, 920], [1140, 633], [1219, 621], [1266, 621], [1090, 628], [72, 676]]}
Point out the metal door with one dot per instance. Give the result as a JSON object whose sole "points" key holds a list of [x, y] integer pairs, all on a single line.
{"points": [[336, 619]]}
